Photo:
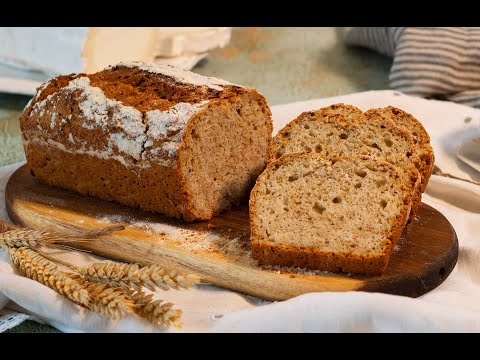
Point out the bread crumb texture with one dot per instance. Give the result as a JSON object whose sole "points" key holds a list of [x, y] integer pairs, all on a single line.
{"points": [[334, 215]]}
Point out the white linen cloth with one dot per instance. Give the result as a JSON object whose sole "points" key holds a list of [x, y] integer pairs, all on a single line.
{"points": [[453, 306]]}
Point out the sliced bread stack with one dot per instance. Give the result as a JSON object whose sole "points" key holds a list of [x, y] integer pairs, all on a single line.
{"points": [[339, 189], [344, 131]]}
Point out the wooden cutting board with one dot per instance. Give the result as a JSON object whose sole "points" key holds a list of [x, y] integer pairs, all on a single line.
{"points": [[219, 250]]}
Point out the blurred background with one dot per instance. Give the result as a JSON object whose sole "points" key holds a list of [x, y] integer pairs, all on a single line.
{"points": [[285, 64]]}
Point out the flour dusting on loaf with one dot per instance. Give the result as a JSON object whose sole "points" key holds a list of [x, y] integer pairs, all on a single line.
{"points": [[39, 91], [151, 136], [132, 140], [170, 124], [95, 107]]}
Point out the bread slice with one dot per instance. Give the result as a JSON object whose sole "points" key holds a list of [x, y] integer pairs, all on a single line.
{"points": [[332, 135], [328, 214], [420, 136]]}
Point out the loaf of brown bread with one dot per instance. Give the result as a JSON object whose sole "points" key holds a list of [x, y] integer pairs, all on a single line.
{"points": [[150, 136]]}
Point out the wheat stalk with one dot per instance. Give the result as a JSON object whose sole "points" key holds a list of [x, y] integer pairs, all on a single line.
{"points": [[134, 276], [100, 298], [105, 288]]}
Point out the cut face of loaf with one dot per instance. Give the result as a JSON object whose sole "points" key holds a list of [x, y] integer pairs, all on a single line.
{"points": [[420, 136], [151, 136], [334, 215], [328, 132]]}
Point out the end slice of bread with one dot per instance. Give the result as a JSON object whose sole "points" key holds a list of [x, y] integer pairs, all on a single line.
{"points": [[328, 214], [420, 137]]}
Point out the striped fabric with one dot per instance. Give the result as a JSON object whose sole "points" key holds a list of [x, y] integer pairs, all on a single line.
{"points": [[438, 62]]}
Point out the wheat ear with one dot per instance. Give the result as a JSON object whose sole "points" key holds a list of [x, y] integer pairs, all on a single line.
{"points": [[36, 267], [134, 276], [100, 298], [18, 237], [5, 226], [110, 301], [101, 287], [157, 312]]}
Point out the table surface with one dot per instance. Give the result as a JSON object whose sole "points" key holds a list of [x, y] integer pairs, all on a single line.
{"points": [[285, 64]]}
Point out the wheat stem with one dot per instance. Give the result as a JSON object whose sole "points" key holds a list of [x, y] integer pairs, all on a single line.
{"points": [[103, 231]]}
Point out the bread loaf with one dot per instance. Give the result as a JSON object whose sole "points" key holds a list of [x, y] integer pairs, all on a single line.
{"points": [[328, 214], [336, 131], [151, 136]]}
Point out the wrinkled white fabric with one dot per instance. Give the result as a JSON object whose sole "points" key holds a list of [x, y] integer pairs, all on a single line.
{"points": [[453, 306]]}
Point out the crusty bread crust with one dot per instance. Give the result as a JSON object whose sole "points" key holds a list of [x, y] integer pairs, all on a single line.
{"points": [[274, 254], [87, 175], [122, 134], [267, 252], [348, 112]]}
